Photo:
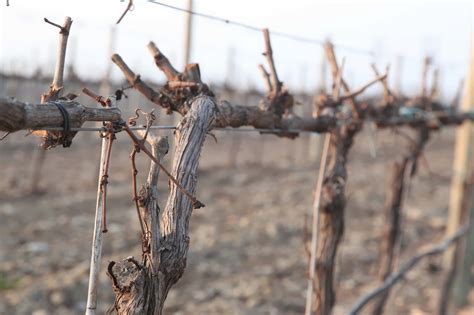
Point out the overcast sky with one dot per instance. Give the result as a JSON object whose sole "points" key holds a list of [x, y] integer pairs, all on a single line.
{"points": [[410, 29]]}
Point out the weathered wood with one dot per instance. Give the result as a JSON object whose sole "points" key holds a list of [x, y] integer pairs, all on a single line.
{"points": [[332, 61], [461, 203], [276, 84], [61, 59], [387, 93], [342, 128], [266, 78], [58, 79], [392, 208], [232, 115], [331, 225], [363, 88], [315, 227], [163, 63], [188, 28], [174, 223], [137, 284], [142, 288], [392, 211], [136, 82], [96, 251], [16, 115], [100, 217], [235, 116], [463, 279], [333, 200]]}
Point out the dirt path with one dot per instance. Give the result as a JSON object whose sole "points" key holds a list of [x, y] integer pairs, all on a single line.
{"points": [[247, 254]]}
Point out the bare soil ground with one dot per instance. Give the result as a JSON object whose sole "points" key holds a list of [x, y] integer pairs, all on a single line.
{"points": [[246, 254]]}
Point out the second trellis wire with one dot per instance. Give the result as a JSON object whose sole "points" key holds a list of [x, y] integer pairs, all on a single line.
{"points": [[294, 37]]}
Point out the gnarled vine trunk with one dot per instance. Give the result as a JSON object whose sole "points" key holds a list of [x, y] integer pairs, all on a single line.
{"points": [[392, 210], [142, 287], [331, 225]]}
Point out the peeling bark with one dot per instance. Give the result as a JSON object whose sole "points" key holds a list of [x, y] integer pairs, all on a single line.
{"points": [[142, 288], [332, 216], [392, 209]]}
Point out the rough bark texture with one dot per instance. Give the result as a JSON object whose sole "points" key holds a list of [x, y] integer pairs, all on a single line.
{"points": [[141, 288], [230, 115], [332, 216], [16, 115], [136, 284], [434, 120], [392, 209], [174, 221]]}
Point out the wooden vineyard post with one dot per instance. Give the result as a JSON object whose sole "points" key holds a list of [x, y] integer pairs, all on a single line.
{"points": [[97, 237], [461, 207], [315, 226], [188, 28]]}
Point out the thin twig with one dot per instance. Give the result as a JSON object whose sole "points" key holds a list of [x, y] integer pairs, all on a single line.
{"points": [[315, 227], [134, 187], [276, 84], [136, 82], [128, 8], [266, 78], [104, 101], [337, 82], [150, 211], [393, 278], [100, 221], [196, 203], [363, 88], [387, 93], [97, 240], [150, 117], [105, 177], [62, 29], [332, 60], [51, 139], [110, 135], [61, 59]]}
